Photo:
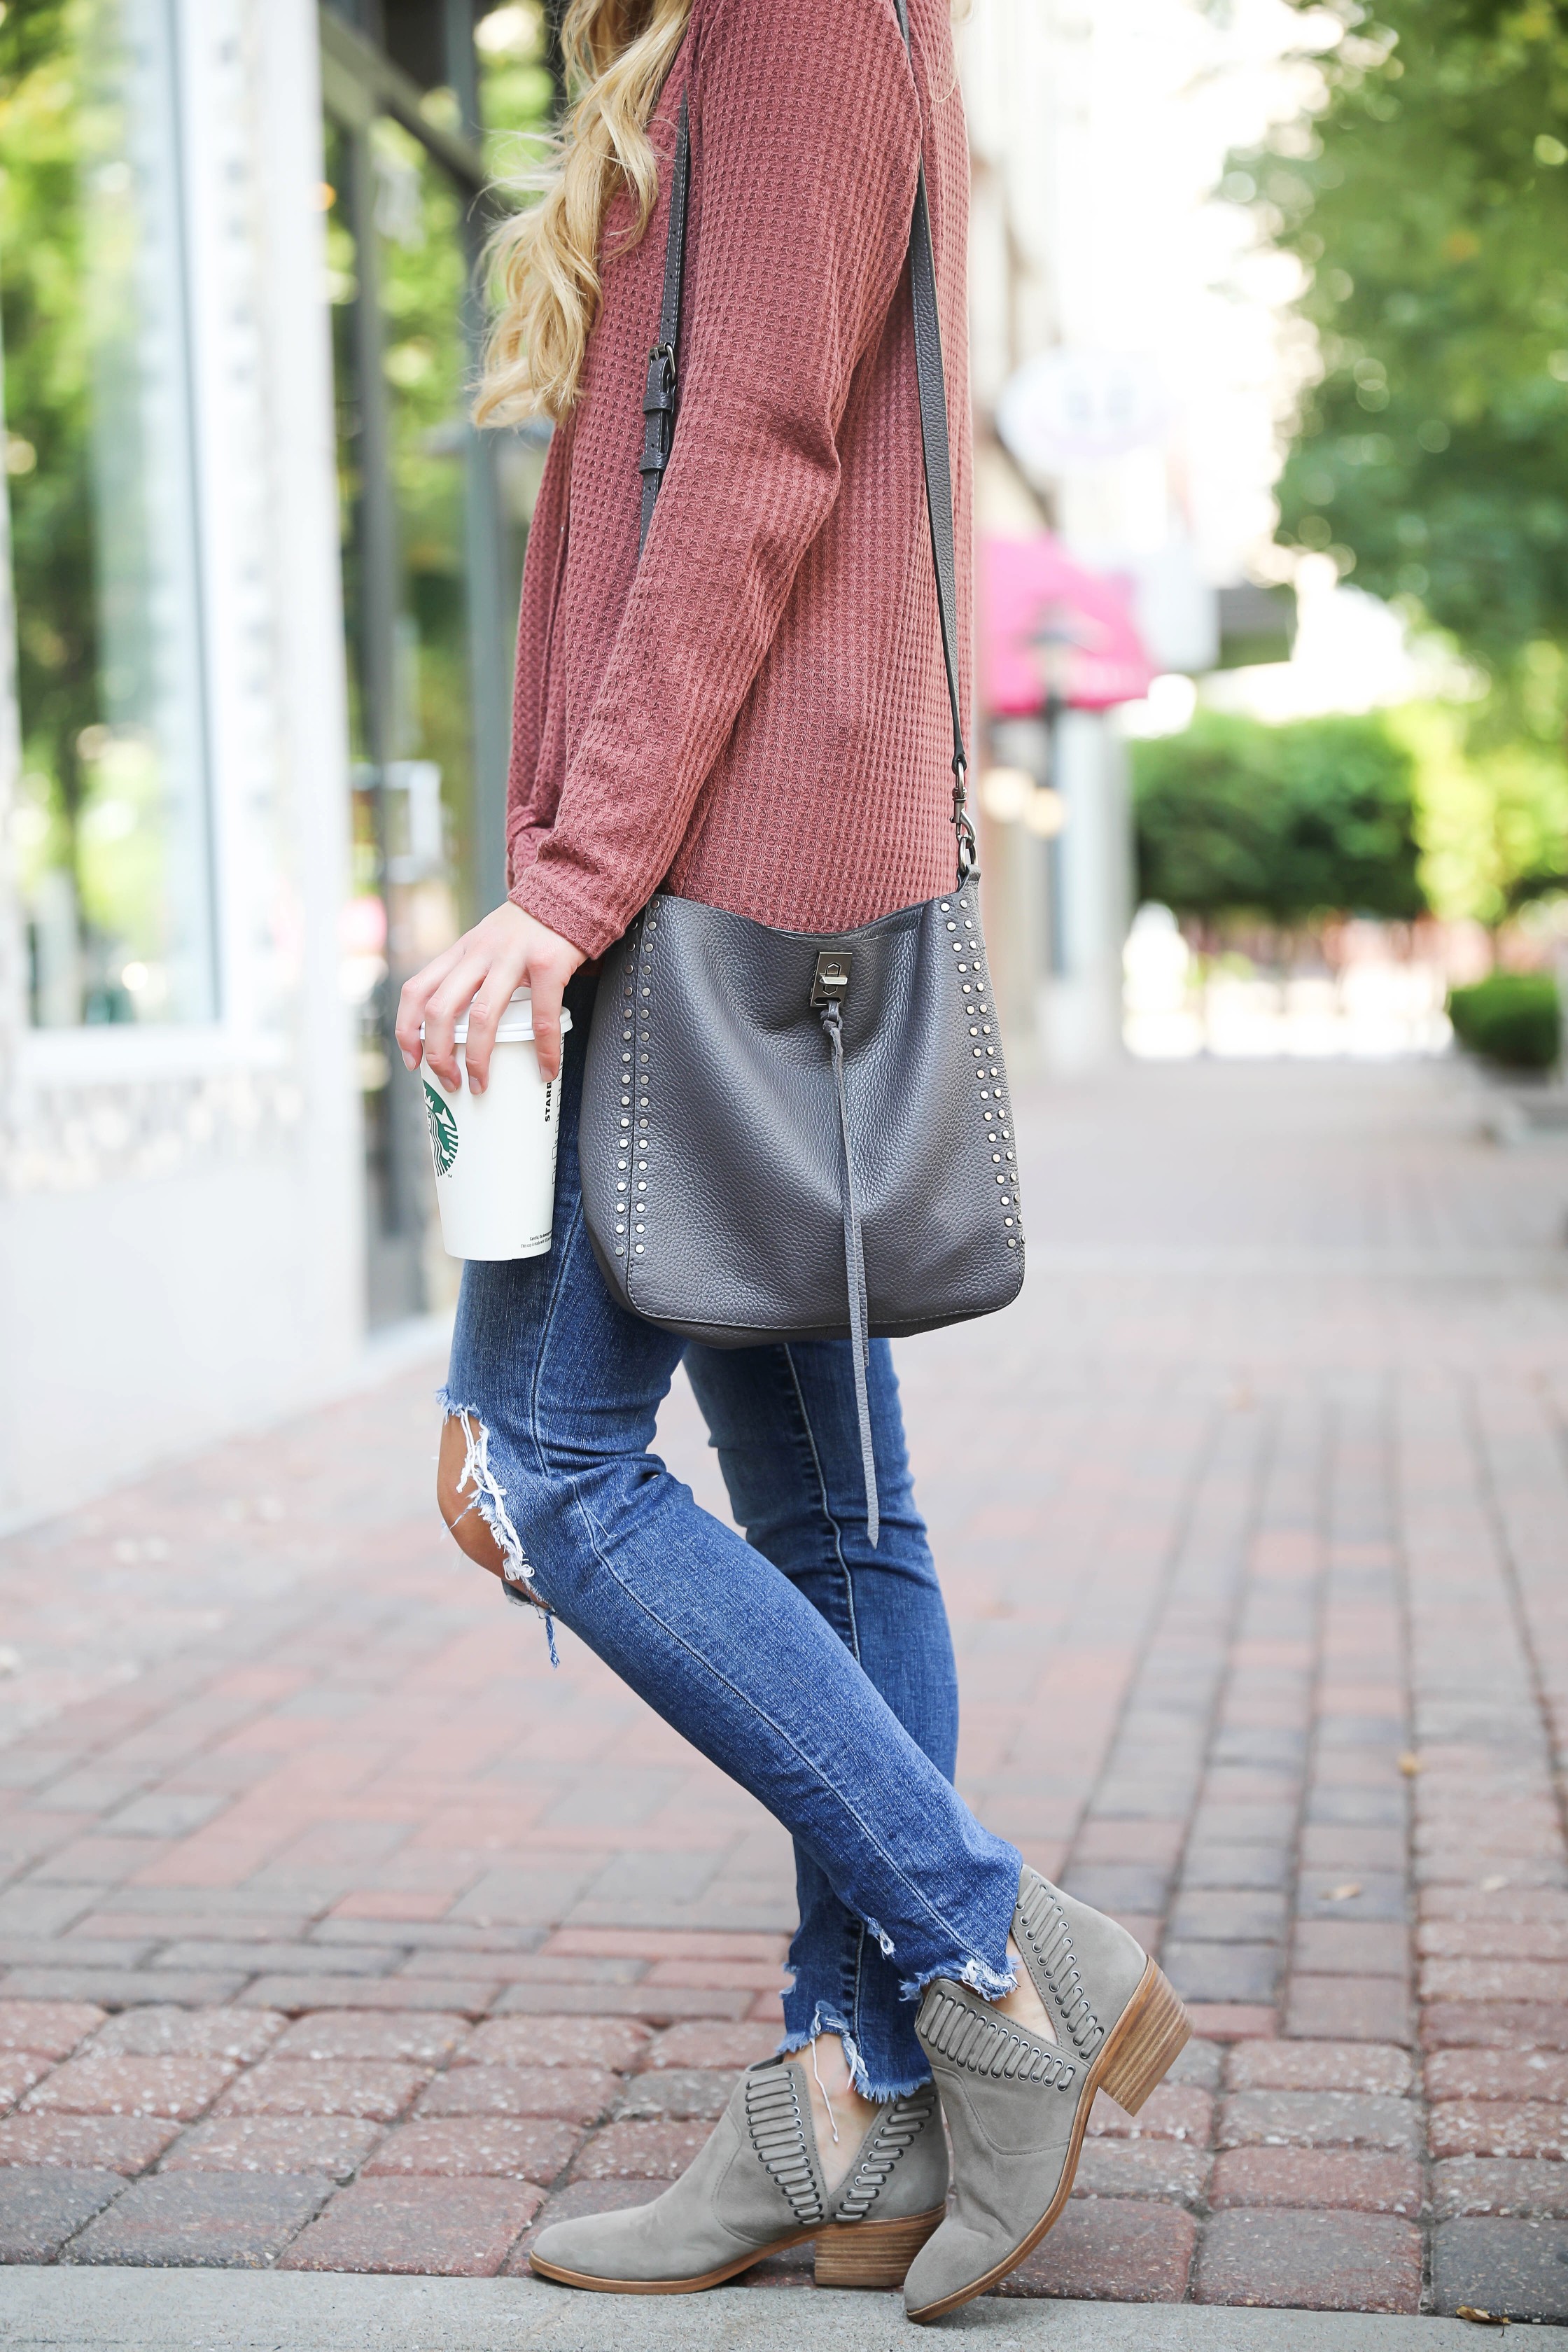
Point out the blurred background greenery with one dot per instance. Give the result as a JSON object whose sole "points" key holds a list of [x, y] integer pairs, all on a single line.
{"points": [[1426, 201]]}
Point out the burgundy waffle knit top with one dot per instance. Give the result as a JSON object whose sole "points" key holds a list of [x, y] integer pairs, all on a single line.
{"points": [[756, 713]]}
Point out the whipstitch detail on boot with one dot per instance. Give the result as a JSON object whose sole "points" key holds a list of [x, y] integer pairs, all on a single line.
{"points": [[1045, 1926], [778, 2134], [891, 2140], [989, 2046]]}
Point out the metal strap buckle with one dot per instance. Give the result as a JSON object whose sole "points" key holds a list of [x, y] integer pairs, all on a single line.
{"points": [[968, 846], [659, 394]]}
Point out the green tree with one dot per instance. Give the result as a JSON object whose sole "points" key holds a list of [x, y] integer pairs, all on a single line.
{"points": [[1491, 801], [48, 394], [1430, 204], [1285, 823]]}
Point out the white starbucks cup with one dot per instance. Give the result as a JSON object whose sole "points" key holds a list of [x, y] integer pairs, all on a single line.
{"points": [[495, 1152]]}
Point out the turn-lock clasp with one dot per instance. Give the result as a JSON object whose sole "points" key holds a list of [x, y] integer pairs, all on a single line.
{"points": [[831, 985]]}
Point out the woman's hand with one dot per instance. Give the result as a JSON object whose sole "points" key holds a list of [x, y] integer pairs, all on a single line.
{"points": [[477, 976]]}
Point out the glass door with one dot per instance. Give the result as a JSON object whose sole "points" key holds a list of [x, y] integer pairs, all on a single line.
{"points": [[111, 834]]}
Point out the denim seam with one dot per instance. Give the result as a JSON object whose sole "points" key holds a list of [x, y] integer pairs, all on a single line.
{"points": [[858, 1979], [801, 1439], [972, 1966], [920, 1900], [827, 1511], [546, 1335]]}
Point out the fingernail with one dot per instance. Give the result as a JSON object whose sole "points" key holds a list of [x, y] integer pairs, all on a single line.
{"points": [[409, 1062]]}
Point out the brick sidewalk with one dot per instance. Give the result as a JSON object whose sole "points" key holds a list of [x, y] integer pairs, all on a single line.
{"points": [[338, 1931]]}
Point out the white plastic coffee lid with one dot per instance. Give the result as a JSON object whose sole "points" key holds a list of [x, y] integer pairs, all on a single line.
{"points": [[516, 1026]]}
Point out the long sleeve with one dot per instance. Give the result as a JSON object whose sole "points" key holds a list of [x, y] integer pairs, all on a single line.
{"points": [[807, 129], [541, 584]]}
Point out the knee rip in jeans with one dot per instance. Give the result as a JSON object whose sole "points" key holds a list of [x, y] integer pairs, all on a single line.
{"points": [[486, 1496]]}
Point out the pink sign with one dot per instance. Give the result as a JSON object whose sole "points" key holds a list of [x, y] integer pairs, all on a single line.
{"points": [[1050, 628]]}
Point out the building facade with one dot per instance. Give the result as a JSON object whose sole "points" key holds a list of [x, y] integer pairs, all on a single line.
{"points": [[257, 585]]}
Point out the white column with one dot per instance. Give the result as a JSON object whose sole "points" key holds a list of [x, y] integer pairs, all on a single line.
{"points": [[309, 716], [1080, 1013]]}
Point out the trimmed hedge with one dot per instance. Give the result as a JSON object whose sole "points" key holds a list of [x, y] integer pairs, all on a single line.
{"points": [[1513, 1018], [1286, 823]]}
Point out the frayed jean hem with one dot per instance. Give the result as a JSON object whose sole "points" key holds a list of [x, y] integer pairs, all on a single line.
{"points": [[990, 1984], [825, 2020]]}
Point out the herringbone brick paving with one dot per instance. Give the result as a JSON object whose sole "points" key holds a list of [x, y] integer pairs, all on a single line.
{"points": [[337, 1931]]}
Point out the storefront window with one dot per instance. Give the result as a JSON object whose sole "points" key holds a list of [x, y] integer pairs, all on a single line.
{"points": [[112, 841], [433, 517]]}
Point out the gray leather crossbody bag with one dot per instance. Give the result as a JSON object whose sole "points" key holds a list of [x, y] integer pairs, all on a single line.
{"points": [[788, 1135]]}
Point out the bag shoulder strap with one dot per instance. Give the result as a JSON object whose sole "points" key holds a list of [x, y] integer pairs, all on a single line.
{"points": [[936, 458], [659, 406], [659, 394]]}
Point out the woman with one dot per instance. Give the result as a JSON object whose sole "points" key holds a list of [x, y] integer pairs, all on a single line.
{"points": [[755, 713]]}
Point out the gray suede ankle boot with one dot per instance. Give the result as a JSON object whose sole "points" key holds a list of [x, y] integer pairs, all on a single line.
{"points": [[757, 2186], [1017, 2107]]}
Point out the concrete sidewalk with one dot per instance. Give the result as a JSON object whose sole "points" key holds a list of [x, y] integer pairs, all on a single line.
{"points": [[340, 1933], [191, 2311]]}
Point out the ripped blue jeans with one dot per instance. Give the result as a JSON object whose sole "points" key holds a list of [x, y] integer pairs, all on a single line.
{"points": [[817, 1672]]}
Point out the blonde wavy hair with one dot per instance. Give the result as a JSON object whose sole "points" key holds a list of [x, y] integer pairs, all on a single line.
{"points": [[545, 259]]}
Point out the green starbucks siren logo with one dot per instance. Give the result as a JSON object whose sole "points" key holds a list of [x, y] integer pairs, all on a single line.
{"points": [[443, 1130]]}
